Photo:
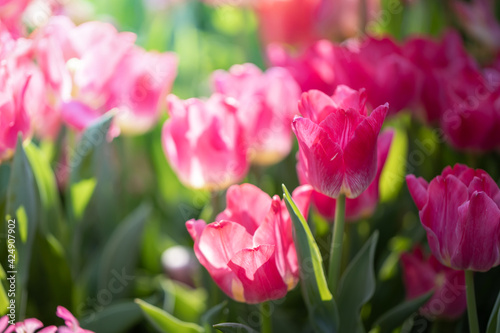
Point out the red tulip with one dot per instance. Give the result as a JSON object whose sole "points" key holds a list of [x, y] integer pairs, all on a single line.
{"points": [[249, 251], [338, 141], [364, 205], [268, 102], [204, 142], [460, 212], [422, 274]]}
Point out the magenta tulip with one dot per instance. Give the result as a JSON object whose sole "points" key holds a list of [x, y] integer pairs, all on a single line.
{"points": [[205, 143], [460, 212], [267, 104], [249, 250], [364, 205], [338, 141], [422, 274]]}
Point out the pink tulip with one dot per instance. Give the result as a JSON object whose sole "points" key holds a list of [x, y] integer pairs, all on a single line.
{"points": [[30, 325], [140, 84], [460, 212], [338, 141], [478, 19], [204, 142], [322, 66], [268, 102], [249, 250], [363, 206], [71, 323], [375, 65], [21, 91], [422, 274], [438, 63]]}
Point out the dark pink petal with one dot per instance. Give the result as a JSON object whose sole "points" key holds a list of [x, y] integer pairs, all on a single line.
{"points": [[321, 158], [418, 190], [4, 322], [347, 98], [53, 329], [246, 205], [360, 154], [256, 269], [478, 234]]}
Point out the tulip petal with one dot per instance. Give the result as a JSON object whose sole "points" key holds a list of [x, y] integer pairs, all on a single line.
{"points": [[478, 232], [418, 190], [221, 240], [312, 103], [321, 158], [247, 205], [78, 115], [360, 153], [440, 215], [256, 268]]}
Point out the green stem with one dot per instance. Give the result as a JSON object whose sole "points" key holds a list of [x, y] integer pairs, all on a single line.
{"points": [[471, 302], [265, 315], [336, 248]]}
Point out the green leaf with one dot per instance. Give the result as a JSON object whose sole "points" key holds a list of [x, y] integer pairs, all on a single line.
{"points": [[4, 301], [80, 165], [320, 304], [234, 328], [494, 322], [213, 315], [165, 322], [396, 316], [115, 318], [188, 303], [120, 253], [22, 206], [51, 220], [357, 286], [81, 193]]}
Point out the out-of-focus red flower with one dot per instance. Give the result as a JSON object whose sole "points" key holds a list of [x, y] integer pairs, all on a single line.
{"points": [[205, 142], [249, 250], [267, 104], [478, 19], [460, 212], [439, 63], [365, 204], [472, 115], [422, 274], [338, 141]]}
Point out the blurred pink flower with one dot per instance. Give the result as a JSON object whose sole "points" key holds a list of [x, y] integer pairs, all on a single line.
{"points": [[205, 142], [460, 211], [365, 204], [338, 141], [11, 14], [267, 104], [249, 250], [71, 323], [478, 19], [422, 274]]}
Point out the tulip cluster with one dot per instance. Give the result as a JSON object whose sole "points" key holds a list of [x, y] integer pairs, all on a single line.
{"points": [[438, 81], [67, 74]]}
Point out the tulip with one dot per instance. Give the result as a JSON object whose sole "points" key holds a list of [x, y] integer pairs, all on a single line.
{"points": [[460, 212], [268, 102], [363, 206], [472, 119], [204, 142], [322, 66], [422, 274], [338, 141], [375, 65], [249, 250], [438, 63]]}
